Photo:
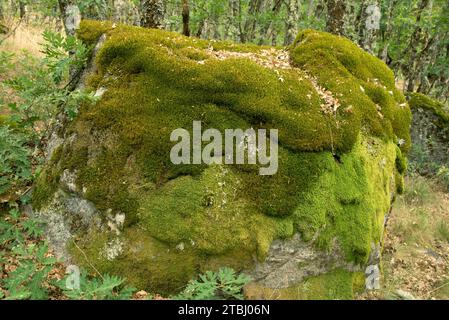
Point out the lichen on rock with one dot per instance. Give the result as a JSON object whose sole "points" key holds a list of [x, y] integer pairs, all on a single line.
{"points": [[343, 133]]}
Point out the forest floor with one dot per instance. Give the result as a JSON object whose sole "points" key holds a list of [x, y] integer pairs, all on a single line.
{"points": [[415, 259]]}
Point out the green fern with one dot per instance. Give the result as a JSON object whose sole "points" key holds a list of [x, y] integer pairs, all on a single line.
{"points": [[224, 284]]}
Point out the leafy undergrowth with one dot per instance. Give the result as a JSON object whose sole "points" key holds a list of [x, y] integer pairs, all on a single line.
{"points": [[29, 269], [224, 284], [416, 249]]}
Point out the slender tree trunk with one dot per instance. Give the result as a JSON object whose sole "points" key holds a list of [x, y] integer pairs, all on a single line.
{"points": [[388, 31], [310, 8], [254, 9], [336, 13], [414, 43], [70, 15], [292, 21], [199, 32], [185, 18], [319, 9], [152, 13], [233, 26], [22, 10], [271, 31], [370, 24]]}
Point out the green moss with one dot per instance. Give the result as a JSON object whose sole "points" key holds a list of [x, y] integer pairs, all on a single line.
{"points": [[90, 31], [338, 284], [144, 261], [401, 161], [360, 82], [45, 187], [350, 199], [335, 170]]}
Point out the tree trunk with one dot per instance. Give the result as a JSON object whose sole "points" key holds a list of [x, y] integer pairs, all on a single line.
{"points": [[310, 8], [271, 32], [386, 35], [291, 23], [1, 12], [319, 9], [71, 16], [185, 18], [152, 13], [414, 43], [22, 10], [233, 26], [335, 16], [254, 9], [199, 32], [370, 24]]}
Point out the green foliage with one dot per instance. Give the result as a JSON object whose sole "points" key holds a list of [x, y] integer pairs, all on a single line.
{"points": [[14, 159], [21, 246], [20, 242], [40, 88], [223, 284], [98, 288], [443, 230], [34, 91], [443, 176], [61, 54]]}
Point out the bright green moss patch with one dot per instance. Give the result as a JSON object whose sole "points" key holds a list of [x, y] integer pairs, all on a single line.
{"points": [[362, 83], [90, 31], [349, 201], [339, 118]]}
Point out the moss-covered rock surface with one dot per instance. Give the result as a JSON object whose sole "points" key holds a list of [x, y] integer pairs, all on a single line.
{"points": [[124, 208], [430, 133]]}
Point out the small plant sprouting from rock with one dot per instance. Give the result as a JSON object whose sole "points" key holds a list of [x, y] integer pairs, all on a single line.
{"points": [[224, 284]]}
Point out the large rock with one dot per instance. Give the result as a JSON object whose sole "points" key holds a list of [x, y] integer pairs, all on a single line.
{"points": [[430, 133], [116, 201]]}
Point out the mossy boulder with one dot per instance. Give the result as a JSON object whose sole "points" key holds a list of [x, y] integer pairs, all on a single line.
{"points": [[430, 133], [121, 205]]}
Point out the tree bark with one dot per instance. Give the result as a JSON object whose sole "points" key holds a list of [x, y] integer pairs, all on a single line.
{"points": [[415, 39], [370, 24], [233, 26], [291, 23], [199, 32], [185, 18], [1, 12], [71, 16], [152, 13], [254, 9], [271, 32], [310, 8], [387, 33], [22, 10], [336, 13]]}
